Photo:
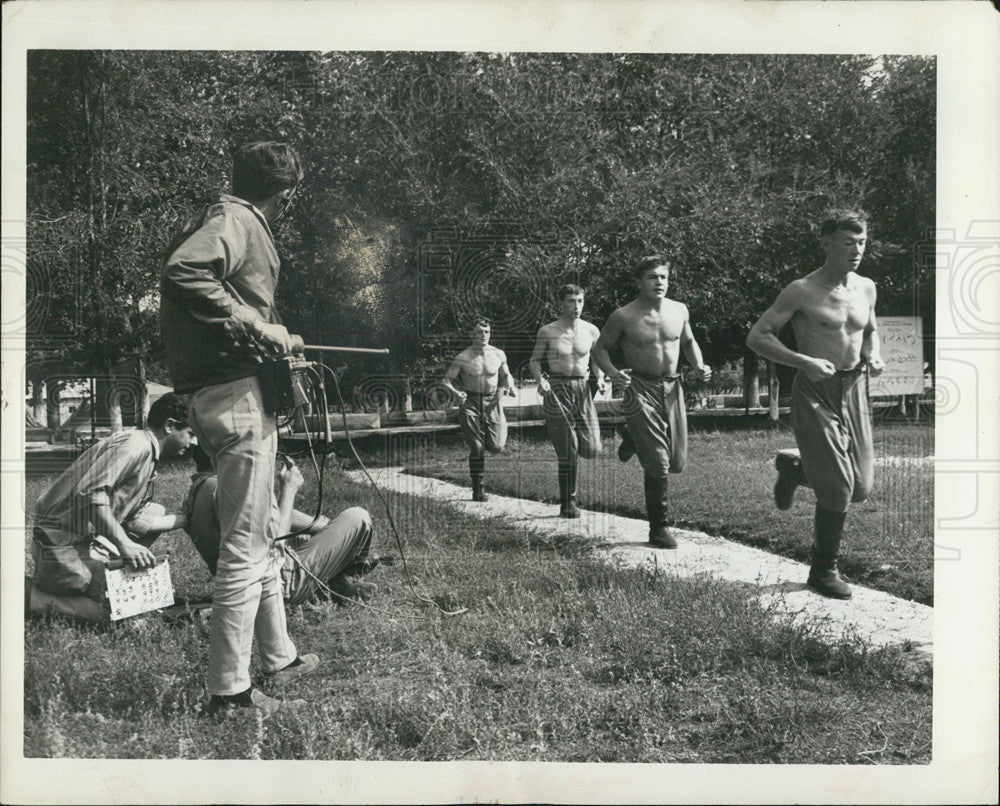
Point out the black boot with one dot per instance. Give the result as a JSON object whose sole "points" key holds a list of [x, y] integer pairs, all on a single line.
{"points": [[477, 469], [823, 575], [627, 448], [656, 509], [567, 492], [790, 476]]}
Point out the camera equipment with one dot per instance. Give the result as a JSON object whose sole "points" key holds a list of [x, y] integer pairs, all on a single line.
{"points": [[291, 385]]}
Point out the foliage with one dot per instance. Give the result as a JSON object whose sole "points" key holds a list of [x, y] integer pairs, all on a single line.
{"points": [[444, 185]]}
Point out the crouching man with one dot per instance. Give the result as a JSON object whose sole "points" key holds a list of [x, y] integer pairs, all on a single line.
{"points": [[101, 509], [328, 555]]}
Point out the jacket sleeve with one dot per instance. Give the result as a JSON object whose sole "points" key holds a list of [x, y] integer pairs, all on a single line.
{"points": [[193, 273]]}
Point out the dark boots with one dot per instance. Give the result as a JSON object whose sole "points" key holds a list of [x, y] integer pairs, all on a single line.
{"points": [[567, 491], [626, 450], [656, 509], [823, 575], [477, 469], [790, 476]]}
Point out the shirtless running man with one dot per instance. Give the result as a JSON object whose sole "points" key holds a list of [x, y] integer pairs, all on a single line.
{"points": [[652, 330], [570, 415], [832, 311], [482, 372]]}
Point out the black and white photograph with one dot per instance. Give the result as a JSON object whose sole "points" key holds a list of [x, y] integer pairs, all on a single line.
{"points": [[540, 402]]}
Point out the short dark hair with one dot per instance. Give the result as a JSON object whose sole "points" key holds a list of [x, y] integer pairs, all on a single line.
{"points": [[570, 288], [649, 262], [853, 220], [168, 407], [262, 169], [481, 322]]}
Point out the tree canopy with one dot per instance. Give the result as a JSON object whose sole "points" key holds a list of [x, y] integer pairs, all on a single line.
{"points": [[441, 186]]}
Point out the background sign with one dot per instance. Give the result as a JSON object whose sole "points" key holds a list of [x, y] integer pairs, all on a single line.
{"points": [[903, 352]]}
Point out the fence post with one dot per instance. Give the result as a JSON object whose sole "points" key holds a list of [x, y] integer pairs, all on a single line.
{"points": [[772, 391]]}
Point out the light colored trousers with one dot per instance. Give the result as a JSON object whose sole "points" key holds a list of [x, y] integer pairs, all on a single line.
{"points": [[242, 440], [325, 555]]}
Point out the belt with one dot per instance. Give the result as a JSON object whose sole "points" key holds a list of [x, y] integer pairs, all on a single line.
{"points": [[555, 376], [859, 367], [655, 378]]}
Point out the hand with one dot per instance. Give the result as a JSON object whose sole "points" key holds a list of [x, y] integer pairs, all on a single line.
{"points": [[819, 368], [622, 376], [875, 366], [544, 387], [290, 477], [276, 338], [602, 385], [460, 397], [510, 391], [703, 373], [180, 520], [135, 555]]}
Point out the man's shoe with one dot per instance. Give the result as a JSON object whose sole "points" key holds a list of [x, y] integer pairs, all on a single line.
{"points": [[828, 583], [788, 472], [626, 450], [569, 510], [346, 587], [222, 704], [478, 494], [300, 667], [662, 538]]}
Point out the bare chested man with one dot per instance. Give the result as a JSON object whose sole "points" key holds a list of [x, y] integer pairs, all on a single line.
{"points": [[570, 416], [652, 330], [832, 311], [482, 372]]}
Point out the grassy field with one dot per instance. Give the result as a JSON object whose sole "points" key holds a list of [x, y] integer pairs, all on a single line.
{"points": [[726, 490], [558, 658]]}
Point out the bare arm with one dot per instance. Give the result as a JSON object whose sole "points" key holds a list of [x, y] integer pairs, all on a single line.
{"points": [[451, 375], [871, 345], [506, 379], [609, 337], [763, 338], [535, 363], [167, 522], [595, 368], [290, 480], [693, 351]]}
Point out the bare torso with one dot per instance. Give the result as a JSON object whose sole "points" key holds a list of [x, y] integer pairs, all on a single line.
{"points": [[829, 321], [651, 336], [478, 369], [567, 347]]}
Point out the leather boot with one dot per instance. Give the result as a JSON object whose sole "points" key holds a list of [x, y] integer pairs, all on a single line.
{"points": [[824, 578], [660, 535], [567, 492], [790, 476], [626, 450], [476, 471]]}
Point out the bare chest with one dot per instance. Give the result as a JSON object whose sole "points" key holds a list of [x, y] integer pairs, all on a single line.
{"points": [[839, 310], [482, 366], [574, 343], [655, 327]]}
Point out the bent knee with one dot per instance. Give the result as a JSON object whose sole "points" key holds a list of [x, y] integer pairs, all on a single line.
{"points": [[359, 517]]}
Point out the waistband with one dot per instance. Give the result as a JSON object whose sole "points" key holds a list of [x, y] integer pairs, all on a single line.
{"points": [[481, 394], [556, 376], [855, 370], [653, 378]]}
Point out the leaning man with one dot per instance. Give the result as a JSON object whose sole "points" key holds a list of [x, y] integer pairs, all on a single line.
{"points": [[82, 520], [832, 311]]}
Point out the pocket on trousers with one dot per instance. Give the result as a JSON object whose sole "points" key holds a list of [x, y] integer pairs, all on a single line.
{"points": [[62, 569]]}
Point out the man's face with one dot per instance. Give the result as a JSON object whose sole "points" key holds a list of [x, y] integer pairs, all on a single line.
{"points": [[845, 248], [481, 335], [179, 439], [654, 282], [571, 306]]}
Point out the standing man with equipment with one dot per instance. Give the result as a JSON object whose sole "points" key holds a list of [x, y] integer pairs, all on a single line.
{"points": [[570, 415], [482, 371], [217, 315], [652, 330], [832, 311]]}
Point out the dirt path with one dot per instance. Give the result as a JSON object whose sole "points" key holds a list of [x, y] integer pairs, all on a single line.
{"points": [[872, 616]]}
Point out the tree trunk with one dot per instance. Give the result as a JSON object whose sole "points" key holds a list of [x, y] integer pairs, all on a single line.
{"points": [[53, 419], [773, 391], [751, 384], [407, 395], [142, 407], [37, 401]]}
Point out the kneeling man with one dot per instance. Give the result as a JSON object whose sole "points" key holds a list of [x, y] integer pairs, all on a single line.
{"points": [[570, 415], [652, 330], [832, 311], [85, 518]]}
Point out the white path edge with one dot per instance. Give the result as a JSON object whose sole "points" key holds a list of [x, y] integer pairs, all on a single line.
{"points": [[876, 618]]}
